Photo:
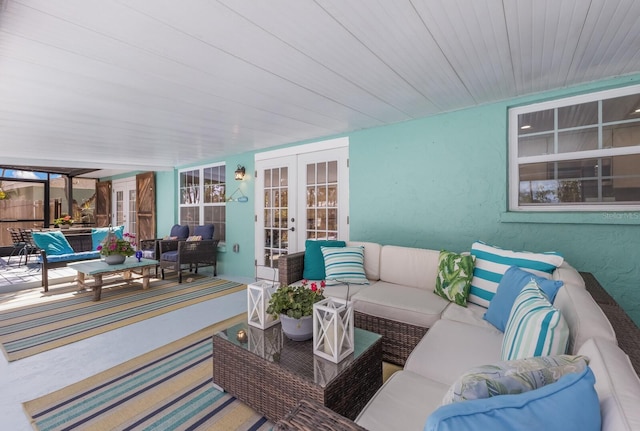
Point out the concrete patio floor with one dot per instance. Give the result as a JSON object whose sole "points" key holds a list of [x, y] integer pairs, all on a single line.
{"points": [[32, 377]]}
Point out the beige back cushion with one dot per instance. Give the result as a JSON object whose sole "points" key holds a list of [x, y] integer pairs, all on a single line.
{"points": [[413, 267], [371, 258], [585, 318]]}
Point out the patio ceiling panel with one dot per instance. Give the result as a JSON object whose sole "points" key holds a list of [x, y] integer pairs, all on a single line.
{"points": [[181, 82]]}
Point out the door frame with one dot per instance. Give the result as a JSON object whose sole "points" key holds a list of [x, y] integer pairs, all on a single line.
{"points": [[270, 159], [127, 185]]}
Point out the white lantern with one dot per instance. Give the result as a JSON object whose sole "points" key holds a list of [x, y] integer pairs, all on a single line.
{"points": [[258, 296], [333, 329]]}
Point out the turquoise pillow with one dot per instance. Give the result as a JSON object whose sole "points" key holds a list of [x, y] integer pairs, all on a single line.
{"points": [[571, 403], [512, 282], [53, 242], [314, 260], [98, 234]]}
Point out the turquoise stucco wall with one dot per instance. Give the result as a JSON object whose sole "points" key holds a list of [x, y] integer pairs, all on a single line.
{"points": [[166, 204], [441, 182]]}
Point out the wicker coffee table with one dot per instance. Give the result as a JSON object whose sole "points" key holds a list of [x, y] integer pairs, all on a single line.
{"points": [[271, 373]]}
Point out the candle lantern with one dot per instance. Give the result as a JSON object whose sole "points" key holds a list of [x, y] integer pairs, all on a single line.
{"points": [[333, 329], [258, 296]]}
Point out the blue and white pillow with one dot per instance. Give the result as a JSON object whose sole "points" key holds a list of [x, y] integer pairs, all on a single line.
{"points": [[492, 262], [344, 265], [512, 283], [535, 327]]}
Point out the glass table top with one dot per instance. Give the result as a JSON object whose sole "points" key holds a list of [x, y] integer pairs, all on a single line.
{"points": [[296, 356]]}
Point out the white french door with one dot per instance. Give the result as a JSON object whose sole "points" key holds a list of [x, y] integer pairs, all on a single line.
{"points": [[124, 204], [299, 196]]}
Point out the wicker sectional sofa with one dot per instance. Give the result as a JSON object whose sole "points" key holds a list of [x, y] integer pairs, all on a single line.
{"points": [[436, 341]]}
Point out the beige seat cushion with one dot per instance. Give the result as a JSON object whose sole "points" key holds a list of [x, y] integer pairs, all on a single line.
{"points": [[403, 403], [451, 348], [471, 314], [400, 303]]}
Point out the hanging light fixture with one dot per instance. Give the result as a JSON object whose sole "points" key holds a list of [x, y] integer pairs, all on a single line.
{"points": [[240, 173]]}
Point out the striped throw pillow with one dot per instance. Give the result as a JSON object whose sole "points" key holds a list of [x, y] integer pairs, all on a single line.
{"points": [[535, 327], [344, 265], [492, 262]]}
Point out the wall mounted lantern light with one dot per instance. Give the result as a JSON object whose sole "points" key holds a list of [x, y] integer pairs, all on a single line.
{"points": [[240, 173]]}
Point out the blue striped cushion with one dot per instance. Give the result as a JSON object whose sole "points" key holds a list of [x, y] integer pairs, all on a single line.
{"points": [[535, 327], [492, 262], [344, 265]]}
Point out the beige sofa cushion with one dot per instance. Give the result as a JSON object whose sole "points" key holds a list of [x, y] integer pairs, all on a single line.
{"points": [[403, 403], [371, 258], [617, 384], [400, 303], [341, 290], [451, 348], [585, 318], [413, 267], [471, 314]]}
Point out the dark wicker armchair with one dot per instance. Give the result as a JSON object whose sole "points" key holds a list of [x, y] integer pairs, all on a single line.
{"points": [[150, 247], [179, 255]]}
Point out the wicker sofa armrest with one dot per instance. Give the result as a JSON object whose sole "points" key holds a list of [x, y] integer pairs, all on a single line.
{"points": [[290, 267], [311, 416]]}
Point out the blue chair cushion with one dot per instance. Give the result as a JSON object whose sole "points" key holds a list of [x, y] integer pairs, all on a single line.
{"points": [[170, 256], [181, 232], [98, 234], [72, 256], [53, 242], [571, 403], [204, 231]]}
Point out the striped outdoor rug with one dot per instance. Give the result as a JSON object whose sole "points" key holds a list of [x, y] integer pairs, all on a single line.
{"points": [[169, 388], [33, 329]]}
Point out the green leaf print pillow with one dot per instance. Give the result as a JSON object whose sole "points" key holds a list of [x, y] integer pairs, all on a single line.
{"points": [[455, 272]]}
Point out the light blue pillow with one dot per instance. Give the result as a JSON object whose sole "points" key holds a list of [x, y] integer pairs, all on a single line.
{"points": [[513, 281], [98, 234], [344, 265], [314, 260], [492, 262], [571, 403], [535, 327], [53, 242]]}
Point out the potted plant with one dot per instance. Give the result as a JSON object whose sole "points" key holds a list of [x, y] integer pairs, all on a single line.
{"points": [[63, 222], [294, 305], [115, 249]]}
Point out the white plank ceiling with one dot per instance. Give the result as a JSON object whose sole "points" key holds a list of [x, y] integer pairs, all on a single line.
{"points": [[153, 84]]}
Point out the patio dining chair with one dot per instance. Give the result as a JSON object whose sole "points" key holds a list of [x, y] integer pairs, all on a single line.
{"points": [[19, 246], [30, 245]]}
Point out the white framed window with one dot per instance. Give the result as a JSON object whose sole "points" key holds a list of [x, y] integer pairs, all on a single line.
{"points": [[202, 198], [580, 153]]}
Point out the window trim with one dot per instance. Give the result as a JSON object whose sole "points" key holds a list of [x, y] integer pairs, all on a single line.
{"points": [[515, 161], [202, 205]]}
